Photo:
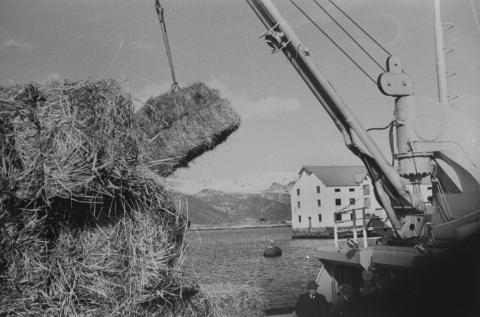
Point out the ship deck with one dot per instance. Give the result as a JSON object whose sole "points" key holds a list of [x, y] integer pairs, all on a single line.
{"points": [[381, 255]]}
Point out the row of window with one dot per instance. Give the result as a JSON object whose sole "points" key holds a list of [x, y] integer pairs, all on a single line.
{"points": [[366, 190], [338, 217], [338, 202], [310, 218]]}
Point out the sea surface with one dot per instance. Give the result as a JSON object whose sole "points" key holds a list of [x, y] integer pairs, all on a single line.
{"points": [[236, 256]]}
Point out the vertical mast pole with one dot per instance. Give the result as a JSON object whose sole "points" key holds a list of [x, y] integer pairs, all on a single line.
{"points": [[440, 54]]}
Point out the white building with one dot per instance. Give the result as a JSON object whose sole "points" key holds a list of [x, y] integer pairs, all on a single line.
{"points": [[319, 191]]}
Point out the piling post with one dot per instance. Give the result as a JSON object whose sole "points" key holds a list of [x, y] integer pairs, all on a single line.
{"points": [[335, 230], [354, 220], [364, 230]]}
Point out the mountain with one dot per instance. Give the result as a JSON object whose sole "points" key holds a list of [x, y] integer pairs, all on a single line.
{"points": [[270, 204], [249, 184], [246, 207], [200, 212], [278, 192]]}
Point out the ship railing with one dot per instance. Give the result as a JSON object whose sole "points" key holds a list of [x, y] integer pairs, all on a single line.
{"points": [[357, 224]]}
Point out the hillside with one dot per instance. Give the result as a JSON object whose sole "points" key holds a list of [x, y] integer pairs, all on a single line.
{"points": [[241, 207], [278, 192], [249, 184], [202, 213]]}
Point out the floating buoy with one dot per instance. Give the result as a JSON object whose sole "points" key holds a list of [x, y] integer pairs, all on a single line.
{"points": [[272, 251]]}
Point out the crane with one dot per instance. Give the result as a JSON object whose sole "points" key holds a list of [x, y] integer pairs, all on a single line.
{"points": [[433, 141], [429, 143]]}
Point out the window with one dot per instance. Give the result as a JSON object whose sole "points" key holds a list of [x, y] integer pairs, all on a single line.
{"points": [[338, 217], [351, 189], [366, 202], [298, 204], [429, 187], [352, 201], [298, 191], [319, 217], [366, 190], [337, 190], [318, 189], [299, 218], [319, 202], [338, 202]]}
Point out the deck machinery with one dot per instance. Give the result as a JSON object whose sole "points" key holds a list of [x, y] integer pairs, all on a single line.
{"points": [[434, 142]]}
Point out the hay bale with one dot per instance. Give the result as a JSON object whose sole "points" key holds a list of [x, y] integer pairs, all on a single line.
{"points": [[119, 270], [82, 228], [184, 124], [66, 145], [225, 299]]}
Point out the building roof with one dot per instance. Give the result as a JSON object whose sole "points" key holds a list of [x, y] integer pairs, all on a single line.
{"points": [[337, 175]]}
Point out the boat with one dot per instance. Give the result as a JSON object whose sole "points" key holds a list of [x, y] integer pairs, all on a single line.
{"points": [[272, 250]]}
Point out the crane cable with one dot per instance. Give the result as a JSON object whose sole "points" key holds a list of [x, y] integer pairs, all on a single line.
{"points": [[333, 41], [348, 34], [160, 10], [358, 26]]}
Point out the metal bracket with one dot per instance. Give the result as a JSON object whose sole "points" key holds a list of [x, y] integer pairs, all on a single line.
{"points": [[449, 49], [448, 26], [395, 82], [276, 39]]}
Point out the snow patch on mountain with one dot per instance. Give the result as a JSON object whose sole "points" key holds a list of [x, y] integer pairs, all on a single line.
{"points": [[249, 184]]}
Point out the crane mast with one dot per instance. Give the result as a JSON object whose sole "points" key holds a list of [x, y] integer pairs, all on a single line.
{"points": [[439, 54]]}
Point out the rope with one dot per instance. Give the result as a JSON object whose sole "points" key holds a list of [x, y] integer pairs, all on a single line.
{"points": [[382, 128], [443, 202], [348, 34], [389, 126], [358, 26], [331, 40], [161, 20]]}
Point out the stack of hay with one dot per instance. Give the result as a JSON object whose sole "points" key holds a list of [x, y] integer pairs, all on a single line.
{"points": [[82, 229], [182, 125]]}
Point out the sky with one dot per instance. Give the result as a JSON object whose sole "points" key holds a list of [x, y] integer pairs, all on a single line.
{"points": [[217, 42]]}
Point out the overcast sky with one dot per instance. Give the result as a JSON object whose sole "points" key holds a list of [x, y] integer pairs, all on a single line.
{"points": [[216, 41]]}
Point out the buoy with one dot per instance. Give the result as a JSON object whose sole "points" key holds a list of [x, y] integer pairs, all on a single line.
{"points": [[272, 251]]}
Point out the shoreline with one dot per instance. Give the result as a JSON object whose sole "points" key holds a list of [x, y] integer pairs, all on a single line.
{"points": [[233, 227]]}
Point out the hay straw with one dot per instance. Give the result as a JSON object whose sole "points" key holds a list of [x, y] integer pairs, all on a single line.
{"points": [[83, 230], [225, 299], [123, 269], [68, 142], [182, 125]]}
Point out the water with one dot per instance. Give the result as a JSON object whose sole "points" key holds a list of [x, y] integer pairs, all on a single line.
{"points": [[236, 256]]}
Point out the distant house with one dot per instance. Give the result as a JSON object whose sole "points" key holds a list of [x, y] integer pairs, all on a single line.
{"points": [[319, 191]]}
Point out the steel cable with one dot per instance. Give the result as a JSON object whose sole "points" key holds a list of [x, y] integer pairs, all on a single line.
{"points": [[334, 43], [161, 20], [357, 25], [349, 35]]}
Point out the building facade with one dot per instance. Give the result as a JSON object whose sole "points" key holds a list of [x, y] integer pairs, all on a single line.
{"points": [[319, 191]]}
